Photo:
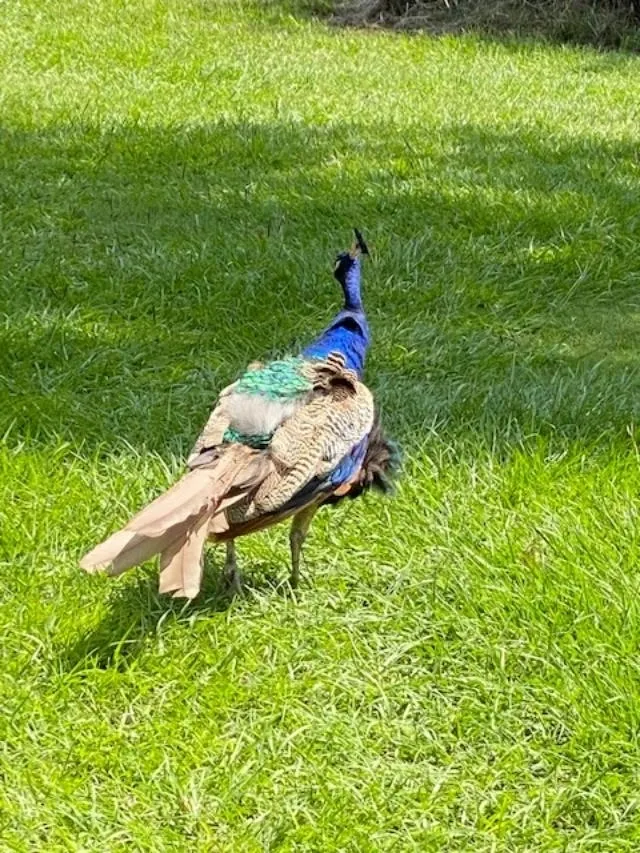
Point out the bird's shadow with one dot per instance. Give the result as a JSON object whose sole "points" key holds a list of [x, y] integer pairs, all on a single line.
{"points": [[137, 613]]}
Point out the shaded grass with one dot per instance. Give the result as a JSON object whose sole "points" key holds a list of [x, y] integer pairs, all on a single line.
{"points": [[608, 25], [459, 671]]}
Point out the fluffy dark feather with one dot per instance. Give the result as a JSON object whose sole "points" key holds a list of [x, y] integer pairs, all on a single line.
{"points": [[381, 464]]}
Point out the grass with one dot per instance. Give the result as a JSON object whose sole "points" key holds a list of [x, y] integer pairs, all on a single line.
{"points": [[460, 668], [603, 23]]}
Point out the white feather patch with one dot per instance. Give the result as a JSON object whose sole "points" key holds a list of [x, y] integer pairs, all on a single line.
{"points": [[253, 414]]}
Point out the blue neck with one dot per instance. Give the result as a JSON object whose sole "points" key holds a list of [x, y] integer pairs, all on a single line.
{"points": [[348, 334], [350, 282]]}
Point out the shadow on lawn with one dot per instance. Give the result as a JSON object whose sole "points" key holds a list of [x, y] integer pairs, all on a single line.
{"points": [[137, 613], [142, 268], [605, 26]]}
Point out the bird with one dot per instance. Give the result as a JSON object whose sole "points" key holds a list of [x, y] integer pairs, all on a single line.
{"points": [[290, 435]]}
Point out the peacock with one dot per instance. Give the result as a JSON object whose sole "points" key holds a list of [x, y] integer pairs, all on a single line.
{"points": [[289, 436]]}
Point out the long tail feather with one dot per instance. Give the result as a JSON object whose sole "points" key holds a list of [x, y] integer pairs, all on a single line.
{"points": [[154, 528], [125, 549], [181, 564], [176, 523]]}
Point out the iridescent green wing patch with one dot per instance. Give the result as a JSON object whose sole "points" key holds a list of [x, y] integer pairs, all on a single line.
{"points": [[257, 441], [277, 380]]}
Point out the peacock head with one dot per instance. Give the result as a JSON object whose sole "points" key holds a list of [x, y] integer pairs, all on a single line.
{"points": [[347, 271], [344, 262]]}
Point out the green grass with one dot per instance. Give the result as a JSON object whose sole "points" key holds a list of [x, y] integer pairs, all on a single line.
{"points": [[460, 669]]}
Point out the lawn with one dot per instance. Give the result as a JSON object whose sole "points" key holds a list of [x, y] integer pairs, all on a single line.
{"points": [[460, 668]]}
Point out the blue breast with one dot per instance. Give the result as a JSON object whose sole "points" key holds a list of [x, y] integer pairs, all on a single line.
{"points": [[349, 464], [347, 335]]}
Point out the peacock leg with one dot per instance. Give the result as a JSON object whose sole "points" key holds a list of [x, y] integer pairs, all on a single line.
{"points": [[230, 572], [299, 529]]}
